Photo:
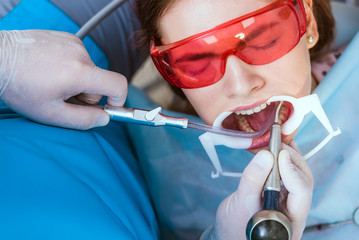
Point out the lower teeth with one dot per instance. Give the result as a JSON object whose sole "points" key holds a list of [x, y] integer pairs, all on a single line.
{"points": [[244, 125]]}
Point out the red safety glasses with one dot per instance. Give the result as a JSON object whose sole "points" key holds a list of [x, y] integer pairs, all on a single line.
{"points": [[257, 38]]}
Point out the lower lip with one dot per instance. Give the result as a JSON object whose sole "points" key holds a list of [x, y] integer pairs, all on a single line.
{"points": [[262, 141]]}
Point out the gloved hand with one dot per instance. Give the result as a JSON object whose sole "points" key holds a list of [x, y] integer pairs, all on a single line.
{"points": [[235, 211], [41, 70]]}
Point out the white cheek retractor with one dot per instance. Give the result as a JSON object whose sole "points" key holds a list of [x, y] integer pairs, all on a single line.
{"points": [[301, 107]]}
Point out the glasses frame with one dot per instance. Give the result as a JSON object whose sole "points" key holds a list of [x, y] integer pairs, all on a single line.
{"points": [[158, 51]]}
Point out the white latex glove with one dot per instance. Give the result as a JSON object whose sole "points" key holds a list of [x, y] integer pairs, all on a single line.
{"points": [[235, 211], [41, 70]]}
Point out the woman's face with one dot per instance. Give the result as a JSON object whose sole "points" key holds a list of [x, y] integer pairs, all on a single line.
{"points": [[243, 86]]}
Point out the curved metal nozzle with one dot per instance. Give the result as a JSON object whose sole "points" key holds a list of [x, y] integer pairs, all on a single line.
{"points": [[276, 119]]}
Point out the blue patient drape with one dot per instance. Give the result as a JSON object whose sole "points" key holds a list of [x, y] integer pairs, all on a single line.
{"points": [[66, 184]]}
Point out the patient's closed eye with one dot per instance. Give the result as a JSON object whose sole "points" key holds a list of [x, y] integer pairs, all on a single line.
{"points": [[194, 57], [264, 37], [195, 67]]}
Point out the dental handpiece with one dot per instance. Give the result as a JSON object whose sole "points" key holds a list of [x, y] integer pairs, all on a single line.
{"points": [[269, 223], [156, 118]]}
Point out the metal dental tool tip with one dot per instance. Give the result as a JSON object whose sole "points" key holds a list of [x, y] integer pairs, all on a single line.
{"points": [[269, 223], [276, 119]]}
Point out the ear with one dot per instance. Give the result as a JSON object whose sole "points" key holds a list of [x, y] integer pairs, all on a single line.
{"points": [[312, 27]]}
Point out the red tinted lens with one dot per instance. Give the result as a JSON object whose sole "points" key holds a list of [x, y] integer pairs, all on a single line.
{"points": [[270, 36], [257, 40]]}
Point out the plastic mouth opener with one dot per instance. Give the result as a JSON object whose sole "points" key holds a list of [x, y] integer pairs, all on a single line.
{"points": [[156, 118]]}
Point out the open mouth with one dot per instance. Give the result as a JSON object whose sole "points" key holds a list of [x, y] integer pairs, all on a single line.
{"points": [[259, 118]]}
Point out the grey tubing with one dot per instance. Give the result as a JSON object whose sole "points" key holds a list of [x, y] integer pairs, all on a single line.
{"points": [[98, 18]]}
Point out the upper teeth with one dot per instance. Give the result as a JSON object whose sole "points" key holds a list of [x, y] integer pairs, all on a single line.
{"points": [[253, 110]]}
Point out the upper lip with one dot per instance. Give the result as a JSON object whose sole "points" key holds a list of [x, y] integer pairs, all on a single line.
{"points": [[250, 106], [223, 115]]}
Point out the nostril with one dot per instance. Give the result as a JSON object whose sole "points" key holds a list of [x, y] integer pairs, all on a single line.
{"points": [[241, 78]]}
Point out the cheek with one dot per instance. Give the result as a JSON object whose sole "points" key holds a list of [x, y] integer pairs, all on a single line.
{"points": [[302, 69], [293, 72], [204, 101]]}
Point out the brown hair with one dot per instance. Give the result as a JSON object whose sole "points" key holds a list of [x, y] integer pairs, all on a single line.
{"points": [[150, 11], [322, 10]]}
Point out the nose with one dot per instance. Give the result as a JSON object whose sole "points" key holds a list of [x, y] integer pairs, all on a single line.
{"points": [[240, 78]]}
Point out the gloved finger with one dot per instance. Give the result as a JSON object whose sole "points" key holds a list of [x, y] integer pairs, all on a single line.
{"points": [[76, 116], [253, 179], [295, 180], [298, 160], [294, 145], [300, 188], [235, 211], [87, 98], [107, 83], [256, 172]]}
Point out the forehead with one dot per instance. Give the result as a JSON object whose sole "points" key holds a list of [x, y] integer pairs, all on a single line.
{"points": [[187, 17]]}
